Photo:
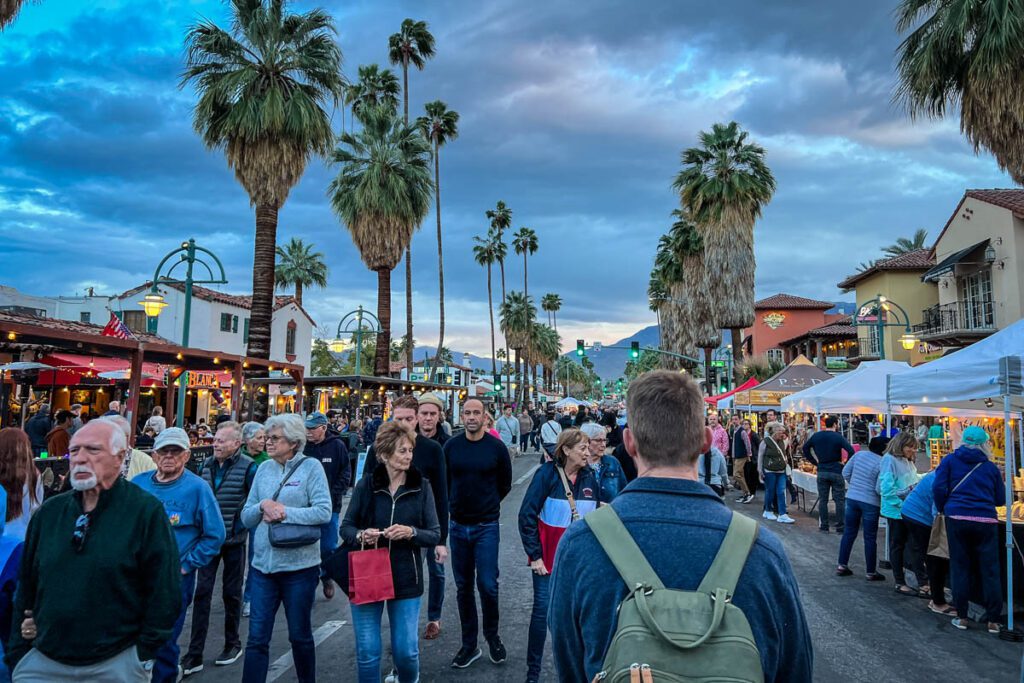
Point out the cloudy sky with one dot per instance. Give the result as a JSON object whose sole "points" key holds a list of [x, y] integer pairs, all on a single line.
{"points": [[573, 113]]}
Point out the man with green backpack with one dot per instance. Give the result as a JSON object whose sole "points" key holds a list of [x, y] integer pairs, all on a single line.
{"points": [[666, 583]]}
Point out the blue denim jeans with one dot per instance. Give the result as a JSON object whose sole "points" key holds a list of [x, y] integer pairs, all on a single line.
{"points": [[474, 550], [435, 597], [831, 482], [775, 491], [858, 513], [165, 666], [328, 539], [403, 618], [296, 591], [246, 593], [538, 627]]}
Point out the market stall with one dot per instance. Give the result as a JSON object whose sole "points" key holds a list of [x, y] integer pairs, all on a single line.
{"points": [[799, 375], [749, 384]]}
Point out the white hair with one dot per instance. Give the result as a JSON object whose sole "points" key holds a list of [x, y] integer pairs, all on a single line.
{"points": [[250, 430], [118, 435], [292, 427], [592, 429], [114, 405], [121, 422]]}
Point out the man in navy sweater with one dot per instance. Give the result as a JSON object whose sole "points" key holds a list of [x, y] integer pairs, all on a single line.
{"points": [[825, 450], [679, 525]]}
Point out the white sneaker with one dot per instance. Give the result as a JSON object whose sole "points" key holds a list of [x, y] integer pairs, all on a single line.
{"points": [[769, 515], [785, 519]]}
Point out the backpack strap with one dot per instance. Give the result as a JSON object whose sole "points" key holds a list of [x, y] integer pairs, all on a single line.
{"points": [[732, 556], [621, 549]]}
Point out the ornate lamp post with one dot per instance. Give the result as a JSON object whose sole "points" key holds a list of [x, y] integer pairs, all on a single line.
{"points": [[356, 323], [153, 303], [880, 306]]}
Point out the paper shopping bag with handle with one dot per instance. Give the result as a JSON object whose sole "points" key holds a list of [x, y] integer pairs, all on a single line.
{"points": [[369, 576]]}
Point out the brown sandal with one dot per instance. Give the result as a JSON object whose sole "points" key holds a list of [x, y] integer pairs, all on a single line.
{"points": [[433, 630]]}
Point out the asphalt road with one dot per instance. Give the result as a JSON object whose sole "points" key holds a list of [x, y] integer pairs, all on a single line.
{"points": [[861, 631]]}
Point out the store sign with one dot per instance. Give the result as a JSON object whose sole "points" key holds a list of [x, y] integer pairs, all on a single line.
{"points": [[203, 380], [836, 363], [774, 320]]}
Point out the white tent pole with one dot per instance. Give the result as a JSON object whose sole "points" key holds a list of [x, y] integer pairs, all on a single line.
{"points": [[1008, 465]]}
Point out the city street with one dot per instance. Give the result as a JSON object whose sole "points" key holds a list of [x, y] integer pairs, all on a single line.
{"points": [[861, 631]]}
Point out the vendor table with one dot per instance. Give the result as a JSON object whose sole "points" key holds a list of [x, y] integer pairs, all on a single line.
{"points": [[805, 483]]}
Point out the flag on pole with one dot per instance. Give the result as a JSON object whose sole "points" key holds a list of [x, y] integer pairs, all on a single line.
{"points": [[116, 328]]}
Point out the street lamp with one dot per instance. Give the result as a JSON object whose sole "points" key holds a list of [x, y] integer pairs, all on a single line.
{"points": [[153, 303], [357, 323], [879, 307]]}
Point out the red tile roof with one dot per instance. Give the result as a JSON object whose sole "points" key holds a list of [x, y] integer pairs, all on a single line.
{"points": [[789, 301], [836, 330], [920, 259], [84, 329], [239, 300], [1010, 199]]}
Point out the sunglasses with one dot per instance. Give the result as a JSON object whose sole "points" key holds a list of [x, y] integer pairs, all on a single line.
{"points": [[79, 534]]}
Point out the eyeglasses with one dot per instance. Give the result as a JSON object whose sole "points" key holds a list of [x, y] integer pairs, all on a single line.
{"points": [[276, 438], [81, 529]]}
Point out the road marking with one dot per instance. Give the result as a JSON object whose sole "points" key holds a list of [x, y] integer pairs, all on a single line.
{"points": [[526, 476], [285, 662]]}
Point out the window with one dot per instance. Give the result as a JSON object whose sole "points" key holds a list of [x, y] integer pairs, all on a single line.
{"points": [[289, 340], [872, 340], [234, 324], [775, 355], [225, 322], [135, 320], [85, 317], [977, 301], [245, 332]]}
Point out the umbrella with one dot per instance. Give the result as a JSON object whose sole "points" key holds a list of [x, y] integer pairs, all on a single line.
{"points": [[121, 374], [567, 402], [24, 366]]}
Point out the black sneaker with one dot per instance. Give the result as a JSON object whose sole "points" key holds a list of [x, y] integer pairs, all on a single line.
{"points": [[464, 657], [190, 664], [497, 650], [230, 655]]}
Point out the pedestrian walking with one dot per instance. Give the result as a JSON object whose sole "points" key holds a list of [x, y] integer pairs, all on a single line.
{"points": [[672, 526], [919, 515], [897, 476], [863, 507], [825, 450], [291, 495], [525, 427], [107, 558], [393, 507], [428, 421], [113, 408], [77, 423], [772, 462], [479, 478], [508, 427], [607, 470], [59, 437], [742, 454], [549, 432], [20, 480], [254, 445], [332, 453], [229, 474], [156, 420], [561, 492], [712, 470], [719, 437], [968, 488], [37, 427]]}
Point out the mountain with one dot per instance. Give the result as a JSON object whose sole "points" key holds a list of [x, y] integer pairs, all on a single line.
{"points": [[610, 364]]}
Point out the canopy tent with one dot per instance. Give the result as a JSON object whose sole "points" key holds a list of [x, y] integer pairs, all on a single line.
{"points": [[985, 374], [799, 375], [569, 402], [749, 384]]}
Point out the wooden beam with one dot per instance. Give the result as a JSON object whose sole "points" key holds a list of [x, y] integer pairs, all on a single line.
{"points": [[134, 386], [238, 380]]}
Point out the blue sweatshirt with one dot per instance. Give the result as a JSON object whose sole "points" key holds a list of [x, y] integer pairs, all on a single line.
{"points": [[920, 505], [679, 526], [861, 473], [828, 447], [978, 495], [896, 477], [193, 513]]}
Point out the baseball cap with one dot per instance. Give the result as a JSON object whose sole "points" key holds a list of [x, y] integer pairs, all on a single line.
{"points": [[314, 420], [172, 436], [432, 399], [975, 436]]}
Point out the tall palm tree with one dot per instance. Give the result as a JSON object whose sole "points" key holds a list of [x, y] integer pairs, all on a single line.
{"points": [[905, 245], [8, 11], [698, 313], [516, 315], [413, 44], [724, 185], [484, 252], [677, 335], [966, 54], [657, 296], [265, 89], [439, 126], [524, 241], [552, 303], [382, 192], [374, 86], [300, 266], [501, 220]]}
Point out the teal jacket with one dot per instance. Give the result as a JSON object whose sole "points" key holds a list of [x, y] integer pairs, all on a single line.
{"points": [[896, 478]]}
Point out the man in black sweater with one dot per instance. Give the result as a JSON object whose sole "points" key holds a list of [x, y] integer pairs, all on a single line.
{"points": [[479, 478], [428, 458], [825, 450], [332, 453]]}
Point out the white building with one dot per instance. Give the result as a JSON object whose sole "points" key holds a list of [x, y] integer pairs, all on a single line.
{"points": [[219, 321]]}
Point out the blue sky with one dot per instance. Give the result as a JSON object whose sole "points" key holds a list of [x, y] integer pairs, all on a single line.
{"points": [[573, 113]]}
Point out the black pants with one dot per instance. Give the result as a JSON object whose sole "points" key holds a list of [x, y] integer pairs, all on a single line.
{"points": [[831, 482], [234, 558], [974, 560], [936, 568], [897, 548], [751, 475]]}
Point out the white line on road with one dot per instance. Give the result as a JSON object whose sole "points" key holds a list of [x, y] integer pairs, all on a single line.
{"points": [[526, 476], [284, 662]]}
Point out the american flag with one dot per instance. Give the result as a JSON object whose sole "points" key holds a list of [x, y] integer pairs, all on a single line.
{"points": [[116, 328]]}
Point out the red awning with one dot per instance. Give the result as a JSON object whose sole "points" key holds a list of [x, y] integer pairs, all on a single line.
{"points": [[749, 384], [71, 368]]}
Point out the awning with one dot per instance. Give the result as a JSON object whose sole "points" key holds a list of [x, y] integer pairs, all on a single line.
{"points": [[949, 263], [749, 384], [71, 368]]}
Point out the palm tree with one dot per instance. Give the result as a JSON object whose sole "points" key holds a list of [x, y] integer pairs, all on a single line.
{"points": [[439, 126], [8, 11], [299, 266], [516, 315], [657, 296], [677, 334], [552, 303], [524, 241], [382, 192], [966, 54], [501, 219], [724, 185], [264, 93], [375, 86], [413, 44], [484, 252], [905, 245], [698, 313]]}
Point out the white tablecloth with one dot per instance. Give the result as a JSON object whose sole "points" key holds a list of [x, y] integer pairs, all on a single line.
{"points": [[805, 481]]}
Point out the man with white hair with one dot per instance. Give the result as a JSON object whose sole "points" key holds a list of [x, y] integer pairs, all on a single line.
{"points": [[135, 461], [113, 408], [106, 554]]}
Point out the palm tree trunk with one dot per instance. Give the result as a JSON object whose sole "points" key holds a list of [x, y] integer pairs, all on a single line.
{"points": [[298, 293], [440, 252], [382, 357], [736, 336], [529, 323], [490, 308], [408, 249], [707, 371], [519, 375], [508, 389], [264, 259]]}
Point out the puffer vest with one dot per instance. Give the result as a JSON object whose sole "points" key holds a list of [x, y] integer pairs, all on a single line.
{"points": [[231, 494]]}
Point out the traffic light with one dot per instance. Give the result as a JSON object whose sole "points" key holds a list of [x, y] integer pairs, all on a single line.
{"points": [[634, 350], [618, 385], [579, 348], [497, 382]]}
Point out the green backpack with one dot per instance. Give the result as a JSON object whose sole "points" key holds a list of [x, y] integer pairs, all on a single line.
{"points": [[673, 635]]}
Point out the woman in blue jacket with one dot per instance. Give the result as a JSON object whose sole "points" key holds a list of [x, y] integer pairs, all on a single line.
{"points": [[968, 488], [610, 478], [897, 475], [919, 515], [544, 516]]}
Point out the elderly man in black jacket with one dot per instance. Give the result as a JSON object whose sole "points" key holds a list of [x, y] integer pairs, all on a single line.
{"points": [[330, 450]]}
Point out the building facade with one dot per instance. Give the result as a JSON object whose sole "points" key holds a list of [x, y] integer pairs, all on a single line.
{"points": [[780, 318]]}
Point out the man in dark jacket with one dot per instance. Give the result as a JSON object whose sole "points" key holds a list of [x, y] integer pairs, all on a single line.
{"points": [[330, 450], [429, 416], [37, 427]]}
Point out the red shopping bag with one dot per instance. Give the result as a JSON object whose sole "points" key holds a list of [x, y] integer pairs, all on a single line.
{"points": [[369, 576]]}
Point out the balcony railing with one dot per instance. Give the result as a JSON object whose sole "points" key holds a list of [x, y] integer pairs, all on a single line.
{"points": [[959, 317]]}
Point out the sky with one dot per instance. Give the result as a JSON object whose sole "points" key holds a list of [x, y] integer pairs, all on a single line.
{"points": [[573, 113]]}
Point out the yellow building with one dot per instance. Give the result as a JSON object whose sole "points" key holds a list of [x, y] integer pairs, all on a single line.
{"points": [[898, 279]]}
